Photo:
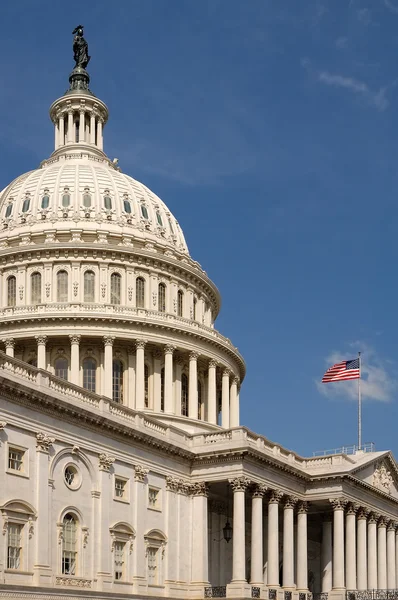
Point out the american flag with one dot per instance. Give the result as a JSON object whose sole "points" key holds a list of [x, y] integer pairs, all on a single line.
{"points": [[346, 369]]}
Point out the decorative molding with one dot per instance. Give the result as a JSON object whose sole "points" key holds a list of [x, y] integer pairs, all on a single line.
{"points": [[73, 582], [172, 483], [363, 513], [43, 442], [140, 473], [75, 288], [382, 522], [105, 461], [373, 517], [352, 508], [85, 536], [382, 478], [392, 525], [239, 484], [194, 355]]}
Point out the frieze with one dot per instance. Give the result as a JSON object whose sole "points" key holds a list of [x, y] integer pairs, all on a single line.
{"points": [[73, 582]]}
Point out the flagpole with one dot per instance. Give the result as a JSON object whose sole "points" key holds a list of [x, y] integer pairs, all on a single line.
{"points": [[359, 406]]}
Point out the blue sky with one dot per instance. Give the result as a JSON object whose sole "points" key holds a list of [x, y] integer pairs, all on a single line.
{"points": [[270, 129]]}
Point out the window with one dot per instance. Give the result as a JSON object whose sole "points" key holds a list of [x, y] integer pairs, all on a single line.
{"points": [[171, 226], [119, 549], [153, 566], [62, 286], [140, 292], [69, 543], [153, 498], [89, 286], [89, 374], [162, 389], [146, 387], [61, 367], [8, 211], [117, 381], [116, 284], [127, 206], [162, 297], [159, 218], [45, 201], [26, 205], [71, 476], [180, 303], [15, 459], [195, 302], [11, 291], [86, 200], [120, 488], [14, 548], [200, 400], [184, 395], [108, 203], [65, 200], [144, 211], [35, 288]]}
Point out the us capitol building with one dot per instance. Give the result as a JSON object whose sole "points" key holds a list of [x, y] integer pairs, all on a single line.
{"points": [[124, 467]]}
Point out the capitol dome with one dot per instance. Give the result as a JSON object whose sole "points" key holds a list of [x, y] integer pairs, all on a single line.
{"points": [[98, 287]]}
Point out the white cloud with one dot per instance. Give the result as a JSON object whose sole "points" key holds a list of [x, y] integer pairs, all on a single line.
{"points": [[391, 6], [377, 383], [341, 43]]}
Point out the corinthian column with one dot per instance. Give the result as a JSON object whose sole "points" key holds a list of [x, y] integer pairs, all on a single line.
{"points": [[74, 358], [338, 542], [140, 375], [350, 548], [234, 407], [326, 554], [302, 552], [372, 552], [288, 542], [391, 558], [200, 562], [239, 486], [256, 575], [382, 553], [168, 379], [193, 386], [10, 345], [225, 399], [211, 393], [362, 567], [41, 351], [273, 539], [108, 365]]}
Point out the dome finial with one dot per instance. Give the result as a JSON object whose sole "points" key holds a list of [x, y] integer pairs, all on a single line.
{"points": [[80, 48]]}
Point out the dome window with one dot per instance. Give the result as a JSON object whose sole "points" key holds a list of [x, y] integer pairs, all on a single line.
{"points": [[116, 281], [127, 206], [144, 211], [89, 286], [117, 381], [180, 302], [89, 374], [11, 291], [66, 200], [35, 288], [9, 211], [159, 218], [108, 202], [171, 226], [26, 205], [162, 297], [86, 199], [45, 201]]}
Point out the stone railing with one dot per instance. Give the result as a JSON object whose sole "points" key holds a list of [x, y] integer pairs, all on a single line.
{"points": [[218, 591], [372, 594]]}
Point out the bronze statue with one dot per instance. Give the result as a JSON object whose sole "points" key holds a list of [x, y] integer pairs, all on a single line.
{"points": [[80, 48]]}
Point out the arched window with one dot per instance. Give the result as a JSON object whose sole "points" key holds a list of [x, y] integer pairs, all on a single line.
{"points": [[140, 292], [26, 205], [116, 284], [117, 381], [200, 400], [9, 210], [89, 286], [62, 286], [146, 385], [11, 291], [162, 297], [144, 211], [107, 202], [35, 288], [184, 395], [86, 200], [89, 374], [159, 218], [162, 389], [45, 201], [61, 367], [195, 302], [180, 303], [127, 206], [69, 544], [66, 199]]}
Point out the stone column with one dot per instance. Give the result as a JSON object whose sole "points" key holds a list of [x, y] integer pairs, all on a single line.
{"points": [[396, 557], [100, 141], [10, 345], [256, 575], [41, 568], [234, 408], [140, 375], [382, 553], [239, 486], [171, 571], [108, 365], [193, 386], [288, 542], [225, 399], [350, 548], [81, 126], [200, 561], [70, 126], [362, 567], [338, 543], [168, 380], [56, 133], [74, 358], [103, 556], [302, 550], [131, 377], [372, 552], [273, 539], [41, 351], [326, 554], [157, 381], [211, 393], [92, 128], [61, 131], [391, 558], [141, 494]]}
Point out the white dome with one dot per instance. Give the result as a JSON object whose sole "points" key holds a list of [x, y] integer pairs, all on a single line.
{"points": [[81, 187]]}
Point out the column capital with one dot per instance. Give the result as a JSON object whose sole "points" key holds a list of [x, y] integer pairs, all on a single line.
{"points": [[290, 501], [108, 340], [200, 488], [373, 517], [43, 442], [140, 344], [172, 483], [41, 339], [382, 522], [169, 349], [236, 380], [338, 503], [259, 490], [302, 507], [193, 355], [9, 342], [226, 372], [275, 497], [352, 508], [213, 363], [140, 473], [363, 513], [75, 338], [105, 461], [239, 484], [392, 525]]}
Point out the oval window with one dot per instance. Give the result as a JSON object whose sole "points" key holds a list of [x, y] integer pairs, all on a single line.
{"points": [[159, 218], [25, 205], [108, 202], [45, 201], [65, 200], [87, 200], [127, 206], [8, 211], [144, 211]]}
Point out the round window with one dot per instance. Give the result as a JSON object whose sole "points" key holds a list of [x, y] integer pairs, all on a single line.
{"points": [[71, 477]]}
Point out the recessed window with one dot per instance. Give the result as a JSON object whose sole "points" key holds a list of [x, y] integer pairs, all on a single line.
{"points": [[120, 488], [146, 386], [65, 200], [162, 297], [159, 218], [200, 400], [127, 206], [140, 292], [89, 286], [108, 202], [62, 286], [195, 302], [89, 374], [71, 476], [86, 200], [180, 302], [117, 381], [184, 395], [144, 211], [153, 568], [26, 205], [35, 288], [61, 367], [69, 545], [45, 201], [8, 211], [171, 226], [14, 546], [116, 284], [119, 551], [11, 291], [15, 459], [162, 390], [153, 498]]}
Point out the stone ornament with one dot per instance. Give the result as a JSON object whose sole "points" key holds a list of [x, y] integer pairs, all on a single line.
{"points": [[352, 508], [108, 340], [85, 536], [239, 484], [41, 339], [382, 478], [193, 356], [212, 363], [382, 522], [373, 517], [172, 484], [140, 344], [259, 490], [200, 488], [275, 497], [73, 581], [392, 526], [3, 425], [75, 339], [363, 513], [105, 461], [338, 503], [302, 508], [43, 442], [290, 501], [169, 349], [140, 473], [9, 342]]}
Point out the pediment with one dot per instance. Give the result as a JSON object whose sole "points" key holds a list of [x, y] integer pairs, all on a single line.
{"points": [[381, 473], [18, 507]]}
